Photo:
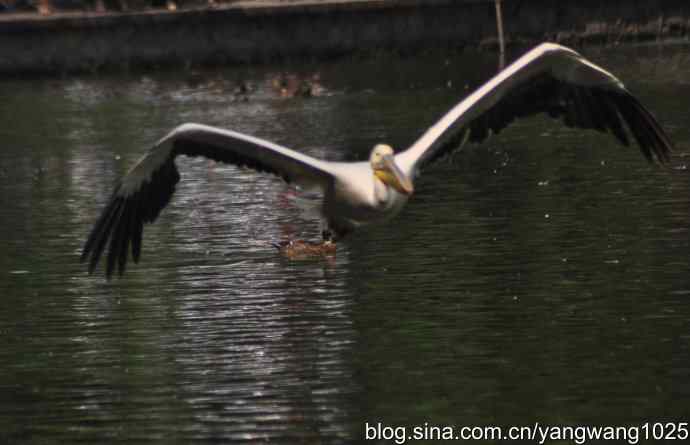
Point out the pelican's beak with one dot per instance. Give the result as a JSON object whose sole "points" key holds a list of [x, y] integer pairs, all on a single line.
{"points": [[393, 176]]}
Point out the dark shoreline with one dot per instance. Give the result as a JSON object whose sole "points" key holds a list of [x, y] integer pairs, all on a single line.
{"points": [[262, 32]]}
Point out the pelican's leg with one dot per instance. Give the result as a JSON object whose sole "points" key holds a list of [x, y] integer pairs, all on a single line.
{"points": [[328, 235]]}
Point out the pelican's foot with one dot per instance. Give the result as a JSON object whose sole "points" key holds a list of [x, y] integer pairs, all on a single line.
{"points": [[328, 236]]}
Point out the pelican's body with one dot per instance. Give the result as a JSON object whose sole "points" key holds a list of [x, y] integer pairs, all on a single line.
{"points": [[549, 78], [358, 197]]}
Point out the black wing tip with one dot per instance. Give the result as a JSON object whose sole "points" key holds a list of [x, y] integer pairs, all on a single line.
{"points": [[653, 141], [119, 229], [108, 231]]}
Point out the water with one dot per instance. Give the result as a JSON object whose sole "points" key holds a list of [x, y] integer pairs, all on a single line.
{"points": [[541, 277]]}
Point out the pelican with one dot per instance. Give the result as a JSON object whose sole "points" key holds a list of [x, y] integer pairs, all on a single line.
{"points": [[548, 79]]}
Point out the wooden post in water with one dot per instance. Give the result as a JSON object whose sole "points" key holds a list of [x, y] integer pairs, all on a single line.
{"points": [[501, 40]]}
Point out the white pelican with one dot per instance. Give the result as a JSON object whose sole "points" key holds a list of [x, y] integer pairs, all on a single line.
{"points": [[550, 78]]}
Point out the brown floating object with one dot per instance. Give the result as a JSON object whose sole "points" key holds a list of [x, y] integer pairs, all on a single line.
{"points": [[298, 249]]}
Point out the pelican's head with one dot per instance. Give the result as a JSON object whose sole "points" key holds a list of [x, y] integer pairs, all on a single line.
{"points": [[384, 166]]}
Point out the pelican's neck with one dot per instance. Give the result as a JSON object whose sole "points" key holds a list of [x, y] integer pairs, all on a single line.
{"points": [[383, 193]]}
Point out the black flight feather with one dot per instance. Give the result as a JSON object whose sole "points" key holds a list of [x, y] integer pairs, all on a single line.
{"points": [[599, 108]]}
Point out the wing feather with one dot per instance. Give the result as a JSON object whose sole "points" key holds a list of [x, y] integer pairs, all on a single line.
{"points": [[549, 79], [147, 188]]}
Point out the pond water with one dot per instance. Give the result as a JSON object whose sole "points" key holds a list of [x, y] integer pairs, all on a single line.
{"points": [[543, 276]]}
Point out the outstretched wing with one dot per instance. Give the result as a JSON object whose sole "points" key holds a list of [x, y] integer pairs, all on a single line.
{"points": [[551, 79], [148, 186]]}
